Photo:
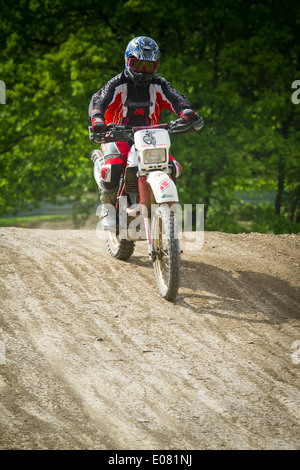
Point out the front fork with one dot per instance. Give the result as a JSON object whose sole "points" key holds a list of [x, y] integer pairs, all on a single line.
{"points": [[145, 210]]}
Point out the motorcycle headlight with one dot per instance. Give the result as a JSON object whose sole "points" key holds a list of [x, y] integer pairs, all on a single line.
{"points": [[154, 156]]}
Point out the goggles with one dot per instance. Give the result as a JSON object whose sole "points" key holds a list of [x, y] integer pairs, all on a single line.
{"points": [[142, 65]]}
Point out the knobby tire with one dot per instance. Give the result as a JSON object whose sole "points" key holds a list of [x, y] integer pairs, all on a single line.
{"points": [[166, 245], [120, 249]]}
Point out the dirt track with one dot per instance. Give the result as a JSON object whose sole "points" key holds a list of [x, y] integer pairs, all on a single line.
{"points": [[93, 357]]}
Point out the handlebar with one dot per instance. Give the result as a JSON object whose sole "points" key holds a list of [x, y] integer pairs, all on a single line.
{"points": [[115, 132]]}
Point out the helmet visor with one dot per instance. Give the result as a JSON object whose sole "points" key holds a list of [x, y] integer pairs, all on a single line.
{"points": [[142, 65]]}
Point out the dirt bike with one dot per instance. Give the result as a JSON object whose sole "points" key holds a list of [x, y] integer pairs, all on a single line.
{"points": [[147, 197]]}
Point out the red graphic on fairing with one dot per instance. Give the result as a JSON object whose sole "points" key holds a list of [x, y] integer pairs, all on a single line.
{"points": [[163, 185]]}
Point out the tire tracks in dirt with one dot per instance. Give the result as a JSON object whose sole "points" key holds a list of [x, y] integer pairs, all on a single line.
{"points": [[96, 359]]}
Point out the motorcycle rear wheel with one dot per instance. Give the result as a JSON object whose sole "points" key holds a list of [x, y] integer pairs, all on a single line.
{"points": [[166, 246], [120, 249]]}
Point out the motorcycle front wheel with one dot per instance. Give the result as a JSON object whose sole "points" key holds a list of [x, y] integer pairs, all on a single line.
{"points": [[167, 253]]}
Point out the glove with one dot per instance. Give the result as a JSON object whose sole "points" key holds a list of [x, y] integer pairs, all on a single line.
{"points": [[188, 115], [98, 124]]}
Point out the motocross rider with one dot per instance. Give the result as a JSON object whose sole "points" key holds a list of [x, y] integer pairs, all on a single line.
{"points": [[134, 97]]}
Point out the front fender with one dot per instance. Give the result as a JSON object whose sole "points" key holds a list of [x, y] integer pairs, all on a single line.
{"points": [[163, 187]]}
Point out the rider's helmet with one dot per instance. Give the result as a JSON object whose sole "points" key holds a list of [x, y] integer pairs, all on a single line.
{"points": [[141, 59]]}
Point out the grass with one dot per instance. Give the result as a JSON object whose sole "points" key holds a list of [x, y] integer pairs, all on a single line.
{"points": [[32, 220]]}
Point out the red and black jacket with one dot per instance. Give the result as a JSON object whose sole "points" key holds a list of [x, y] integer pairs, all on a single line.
{"points": [[122, 102]]}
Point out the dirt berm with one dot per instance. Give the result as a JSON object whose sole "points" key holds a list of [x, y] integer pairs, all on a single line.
{"points": [[92, 357]]}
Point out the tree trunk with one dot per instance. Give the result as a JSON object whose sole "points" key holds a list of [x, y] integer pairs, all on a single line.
{"points": [[281, 166], [208, 185], [280, 184]]}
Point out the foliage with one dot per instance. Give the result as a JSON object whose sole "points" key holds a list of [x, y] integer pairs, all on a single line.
{"points": [[235, 60]]}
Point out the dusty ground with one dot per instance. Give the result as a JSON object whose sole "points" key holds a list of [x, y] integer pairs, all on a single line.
{"points": [[93, 358]]}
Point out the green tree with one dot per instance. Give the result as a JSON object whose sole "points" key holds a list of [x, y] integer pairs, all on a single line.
{"points": [[235, 60]]}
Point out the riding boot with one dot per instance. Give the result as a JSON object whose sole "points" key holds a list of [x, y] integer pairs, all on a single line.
{"points": [[108, 200]]}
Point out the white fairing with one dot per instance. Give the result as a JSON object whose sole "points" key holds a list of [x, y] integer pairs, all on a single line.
{"points": [[163, 187], [132, 157], [151, 138]]}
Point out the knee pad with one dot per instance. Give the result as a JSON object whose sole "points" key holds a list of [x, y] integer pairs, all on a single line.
{"points": [[108, 165], [110, 173]]}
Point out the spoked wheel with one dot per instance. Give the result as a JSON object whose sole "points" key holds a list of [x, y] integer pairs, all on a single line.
{"points": [[120, 249], [166, 247]]}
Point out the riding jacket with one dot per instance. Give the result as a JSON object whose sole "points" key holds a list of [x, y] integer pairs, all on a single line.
{"points": [[122, 102]]}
